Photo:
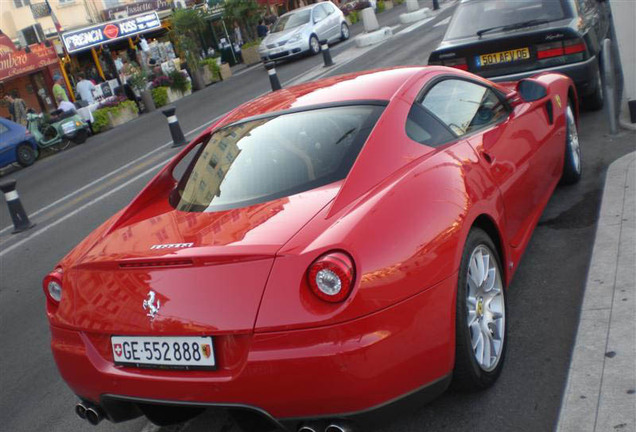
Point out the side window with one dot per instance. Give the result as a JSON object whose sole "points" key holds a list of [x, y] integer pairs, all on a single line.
{"points": [[425, 129], [3, 128], [464, 106], [328, 7], [319, 14]]}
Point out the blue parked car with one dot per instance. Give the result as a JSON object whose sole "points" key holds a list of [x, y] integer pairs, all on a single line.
{"points": [[16, 144]]}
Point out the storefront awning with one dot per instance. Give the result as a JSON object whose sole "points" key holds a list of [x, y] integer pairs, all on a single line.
{"points": [[15, 63], [88, 37]]}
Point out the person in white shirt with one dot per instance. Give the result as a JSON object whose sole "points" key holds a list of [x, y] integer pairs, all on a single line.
{"points": [[85, 89], [66, 106]]}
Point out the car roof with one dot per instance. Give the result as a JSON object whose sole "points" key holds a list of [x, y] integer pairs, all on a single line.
{"points": [[376, 85]]}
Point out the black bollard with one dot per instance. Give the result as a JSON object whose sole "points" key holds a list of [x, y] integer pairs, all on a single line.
{"points": [[19, 217], [326, 55], [435, 5], [273, 78], [175, 130]]}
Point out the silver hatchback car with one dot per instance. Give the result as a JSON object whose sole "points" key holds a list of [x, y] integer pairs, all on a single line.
{"points": [[301, 31]]}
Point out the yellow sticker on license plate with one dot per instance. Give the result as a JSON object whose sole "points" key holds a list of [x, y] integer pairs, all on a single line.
{"points": [[503, 57]]}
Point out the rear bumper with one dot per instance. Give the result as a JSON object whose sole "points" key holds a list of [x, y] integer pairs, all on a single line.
{"points": [[335, 371], [584, 74]]}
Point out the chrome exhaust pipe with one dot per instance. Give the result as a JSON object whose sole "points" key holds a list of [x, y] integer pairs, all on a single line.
{"points": [[334, 427], [94, 415], [308, 428], [80, 410]]}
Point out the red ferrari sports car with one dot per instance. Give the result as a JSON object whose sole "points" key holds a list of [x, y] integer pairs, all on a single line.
{"points": [[318, 255]]}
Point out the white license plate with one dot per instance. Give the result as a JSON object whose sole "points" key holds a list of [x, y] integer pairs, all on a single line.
{"points": [[277, 50], [182, 352], [68, 127]]}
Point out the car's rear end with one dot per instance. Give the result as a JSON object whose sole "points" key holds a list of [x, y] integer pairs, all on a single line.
{"points": [[174, 302], [509, 41]]}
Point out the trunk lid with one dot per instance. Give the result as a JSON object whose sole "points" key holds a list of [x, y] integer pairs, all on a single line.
{"points": [[508, 53], [207, 270]]}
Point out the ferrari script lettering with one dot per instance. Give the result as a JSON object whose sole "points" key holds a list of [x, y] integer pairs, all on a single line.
{"points": [[172, 246]]}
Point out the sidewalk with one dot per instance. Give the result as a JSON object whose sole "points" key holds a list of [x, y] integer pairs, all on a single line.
{"points": [[600, 394]]}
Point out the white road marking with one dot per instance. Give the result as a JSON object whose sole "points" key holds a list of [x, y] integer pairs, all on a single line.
{"points": [[443, 22], [81, 208], [414, 26]]}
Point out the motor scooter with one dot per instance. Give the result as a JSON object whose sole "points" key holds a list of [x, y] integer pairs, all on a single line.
{"points": [[59, 131]]}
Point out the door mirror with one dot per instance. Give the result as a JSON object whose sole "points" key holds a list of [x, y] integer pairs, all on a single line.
{"points": [[530, 90]]}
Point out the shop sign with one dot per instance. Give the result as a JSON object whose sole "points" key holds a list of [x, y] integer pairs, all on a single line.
{"points": [[78, 40], [136, 8], [15, 62], [141, 7]]}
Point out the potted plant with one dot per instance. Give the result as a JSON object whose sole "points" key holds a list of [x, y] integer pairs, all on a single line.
{"points": [[210, 70], [180, 86], [250, 54], [114, 113], [187, 27], [139, 83]]}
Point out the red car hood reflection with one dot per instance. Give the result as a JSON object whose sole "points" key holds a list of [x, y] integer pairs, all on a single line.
{"points": [[225, 257]]}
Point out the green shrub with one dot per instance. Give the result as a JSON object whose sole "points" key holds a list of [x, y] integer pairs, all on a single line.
{"points": [[380, 6], [247, 45], [101, 120], [212, 66], [354, 17], [179, 82], [398, 2], [160, 96]]}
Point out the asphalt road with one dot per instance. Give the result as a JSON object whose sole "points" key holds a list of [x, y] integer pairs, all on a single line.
{"points": [[71, 193]]}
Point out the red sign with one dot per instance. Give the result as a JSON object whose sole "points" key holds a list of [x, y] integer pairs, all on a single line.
{"points": [[111, 31], [14, 63]]}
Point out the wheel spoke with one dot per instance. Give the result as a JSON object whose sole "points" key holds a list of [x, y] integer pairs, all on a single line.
{"points": [[486, 357], [485, 268]]}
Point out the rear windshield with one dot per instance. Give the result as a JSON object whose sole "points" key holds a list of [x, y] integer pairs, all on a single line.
{"points": [[264, 159], [472, 16], [292, 20]]}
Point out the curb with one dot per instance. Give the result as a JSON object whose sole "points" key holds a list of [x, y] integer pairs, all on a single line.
{"points": [[601, 385]]}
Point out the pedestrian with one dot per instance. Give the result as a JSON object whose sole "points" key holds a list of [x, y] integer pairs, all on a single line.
{"points": [[261, 29], [17, 109], [59, 93], [85, 89], [238, 37]]}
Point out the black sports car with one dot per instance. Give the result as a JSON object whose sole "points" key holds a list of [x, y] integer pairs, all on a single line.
{"points": [[507, 40]]}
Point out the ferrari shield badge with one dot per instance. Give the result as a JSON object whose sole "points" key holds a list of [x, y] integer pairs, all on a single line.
{"points": [[149, 305], [557, 98]]}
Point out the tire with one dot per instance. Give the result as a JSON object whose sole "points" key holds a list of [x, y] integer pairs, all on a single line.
{"points": [[481, 319], [344, 32], [25, 155], [314, 45], [572, 166], [62, 145], [594, 102], [81, 136]]}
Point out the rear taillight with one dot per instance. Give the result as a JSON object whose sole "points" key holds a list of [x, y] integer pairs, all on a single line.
{"points": [[459, 63], [52, 285], [557, 49], [331, 277]]}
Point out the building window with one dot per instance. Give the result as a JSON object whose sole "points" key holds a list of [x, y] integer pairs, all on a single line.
{"points": [[21, 3], [65, 2]]}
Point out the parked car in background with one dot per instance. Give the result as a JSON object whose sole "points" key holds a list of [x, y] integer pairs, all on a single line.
{"points": [[16, 144], [300, 31], [507, 40]]}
